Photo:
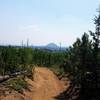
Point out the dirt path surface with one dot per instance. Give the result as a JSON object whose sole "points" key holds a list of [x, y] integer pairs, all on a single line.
{"points": [[44, 86]]}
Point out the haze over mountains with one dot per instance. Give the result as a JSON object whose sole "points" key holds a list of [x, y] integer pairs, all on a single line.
{"points": [[51, 47]]}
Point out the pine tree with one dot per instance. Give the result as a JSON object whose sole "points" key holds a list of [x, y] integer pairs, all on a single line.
{"points": [[96, 39], [96, 43]]}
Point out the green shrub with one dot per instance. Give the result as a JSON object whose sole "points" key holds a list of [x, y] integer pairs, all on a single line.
{"points": [[17, 84]]}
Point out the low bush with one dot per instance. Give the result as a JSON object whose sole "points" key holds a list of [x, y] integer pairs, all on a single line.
{"points": [[17, 84]]}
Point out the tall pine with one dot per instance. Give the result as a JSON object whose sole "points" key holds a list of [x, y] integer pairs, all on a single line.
{"points": [[96, 44]]}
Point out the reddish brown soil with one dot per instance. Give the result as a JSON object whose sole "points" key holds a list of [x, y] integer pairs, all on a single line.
{"points": [[44, 86]]}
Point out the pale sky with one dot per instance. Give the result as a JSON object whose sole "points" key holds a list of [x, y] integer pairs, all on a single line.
{"points": [[45, 21]]}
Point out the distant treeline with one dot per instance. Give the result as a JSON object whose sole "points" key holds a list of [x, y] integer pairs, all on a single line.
{"points": [[16, 59]]}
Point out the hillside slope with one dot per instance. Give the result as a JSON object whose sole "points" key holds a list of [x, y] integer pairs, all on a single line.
{"points": [[44, 86]]}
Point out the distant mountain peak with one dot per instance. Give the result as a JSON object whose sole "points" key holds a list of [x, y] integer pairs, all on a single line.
{"points": [[52, 45]]}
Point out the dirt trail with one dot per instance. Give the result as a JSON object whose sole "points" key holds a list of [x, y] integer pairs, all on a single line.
{"points": [[45, 85]]}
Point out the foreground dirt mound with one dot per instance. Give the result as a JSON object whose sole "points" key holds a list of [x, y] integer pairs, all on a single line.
{"points": [[44, 86]]}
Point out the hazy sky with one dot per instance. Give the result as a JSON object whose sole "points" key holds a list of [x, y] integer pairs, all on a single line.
{"points": [[45, 21]]}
